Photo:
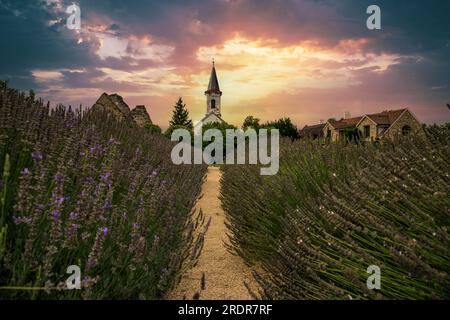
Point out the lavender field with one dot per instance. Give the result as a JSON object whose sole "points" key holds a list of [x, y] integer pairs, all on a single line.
{"points": [[89, 190], [333, 210]]}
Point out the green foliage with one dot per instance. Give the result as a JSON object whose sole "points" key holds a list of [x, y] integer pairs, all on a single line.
{"points": [[3, 84], [250, 122], [333, 210], [285, 126], [168, 132], [351, 134], [222, 126], [180, 116], [88, 190], [153, 128]]}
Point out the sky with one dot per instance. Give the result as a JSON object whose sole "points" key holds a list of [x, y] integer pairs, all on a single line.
{"points": [[309, 60]]}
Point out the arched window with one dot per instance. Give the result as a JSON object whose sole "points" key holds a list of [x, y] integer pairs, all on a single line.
{"points": [[406, 130], [213, 104]]}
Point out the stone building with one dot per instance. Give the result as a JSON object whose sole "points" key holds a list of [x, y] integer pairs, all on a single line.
{"points": [[388, 124], [371, 127], [141, 116], [115, 105], [314, 132]]}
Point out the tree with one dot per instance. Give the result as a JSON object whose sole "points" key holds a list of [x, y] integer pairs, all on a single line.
{"points": [[448, 105], [250, 122], [3, 84], [180, 116], [285, 126]]}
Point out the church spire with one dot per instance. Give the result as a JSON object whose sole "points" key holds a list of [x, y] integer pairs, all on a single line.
{"points": [[213, 86]]}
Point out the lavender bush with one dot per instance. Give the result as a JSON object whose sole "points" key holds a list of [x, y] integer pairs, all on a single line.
{"points": [[333, 210], [88, 190]]}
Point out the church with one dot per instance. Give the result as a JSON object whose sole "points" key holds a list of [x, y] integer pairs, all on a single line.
{"points": [[213, 102]]}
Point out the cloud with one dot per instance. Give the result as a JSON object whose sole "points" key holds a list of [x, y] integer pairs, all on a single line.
{"points": [[298, 58]]}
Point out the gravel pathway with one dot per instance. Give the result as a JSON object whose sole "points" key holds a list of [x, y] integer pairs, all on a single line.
{"points": [[223, 273]]}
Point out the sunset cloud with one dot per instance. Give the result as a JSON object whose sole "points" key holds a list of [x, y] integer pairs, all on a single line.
{"points": [[305, 59]]}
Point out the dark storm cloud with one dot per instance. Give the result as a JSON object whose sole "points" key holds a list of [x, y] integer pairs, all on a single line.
{"points": [[29, 42]]}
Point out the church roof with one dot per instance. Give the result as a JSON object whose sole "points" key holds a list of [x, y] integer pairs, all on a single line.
{"points": [[213, 86], [212, 114]]}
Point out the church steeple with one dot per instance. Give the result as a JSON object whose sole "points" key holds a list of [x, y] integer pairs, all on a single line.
{"points": [[213, 94]]}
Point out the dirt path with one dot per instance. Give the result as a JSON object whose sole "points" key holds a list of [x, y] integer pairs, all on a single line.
{"points": [[224, 273]]}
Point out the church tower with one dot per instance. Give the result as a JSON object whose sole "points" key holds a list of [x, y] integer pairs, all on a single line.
{"points": [[213, 94]]}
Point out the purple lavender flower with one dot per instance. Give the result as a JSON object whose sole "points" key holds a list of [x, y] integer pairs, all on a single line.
{"points": [[55, 215], [136, 226], [97, 149], [72, 216], [105, 231], [107, 205], [60, 200], [105, 176], [16, 220], [37, 156], [26, 171], [19, 220]]}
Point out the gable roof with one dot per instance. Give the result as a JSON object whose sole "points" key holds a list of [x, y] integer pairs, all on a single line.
{"points": [[386, 117]]}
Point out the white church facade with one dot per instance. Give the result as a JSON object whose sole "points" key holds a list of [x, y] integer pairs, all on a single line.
{"points": [[213, 102]]}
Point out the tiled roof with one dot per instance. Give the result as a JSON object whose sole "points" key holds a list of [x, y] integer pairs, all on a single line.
{"points": [[387, 117], [315, 130], [345, 123]]}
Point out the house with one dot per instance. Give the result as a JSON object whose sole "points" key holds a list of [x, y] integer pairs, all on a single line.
{"points": [[213, 102], [336, 130], [314, 132], [388, 124], [370, 127]]}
